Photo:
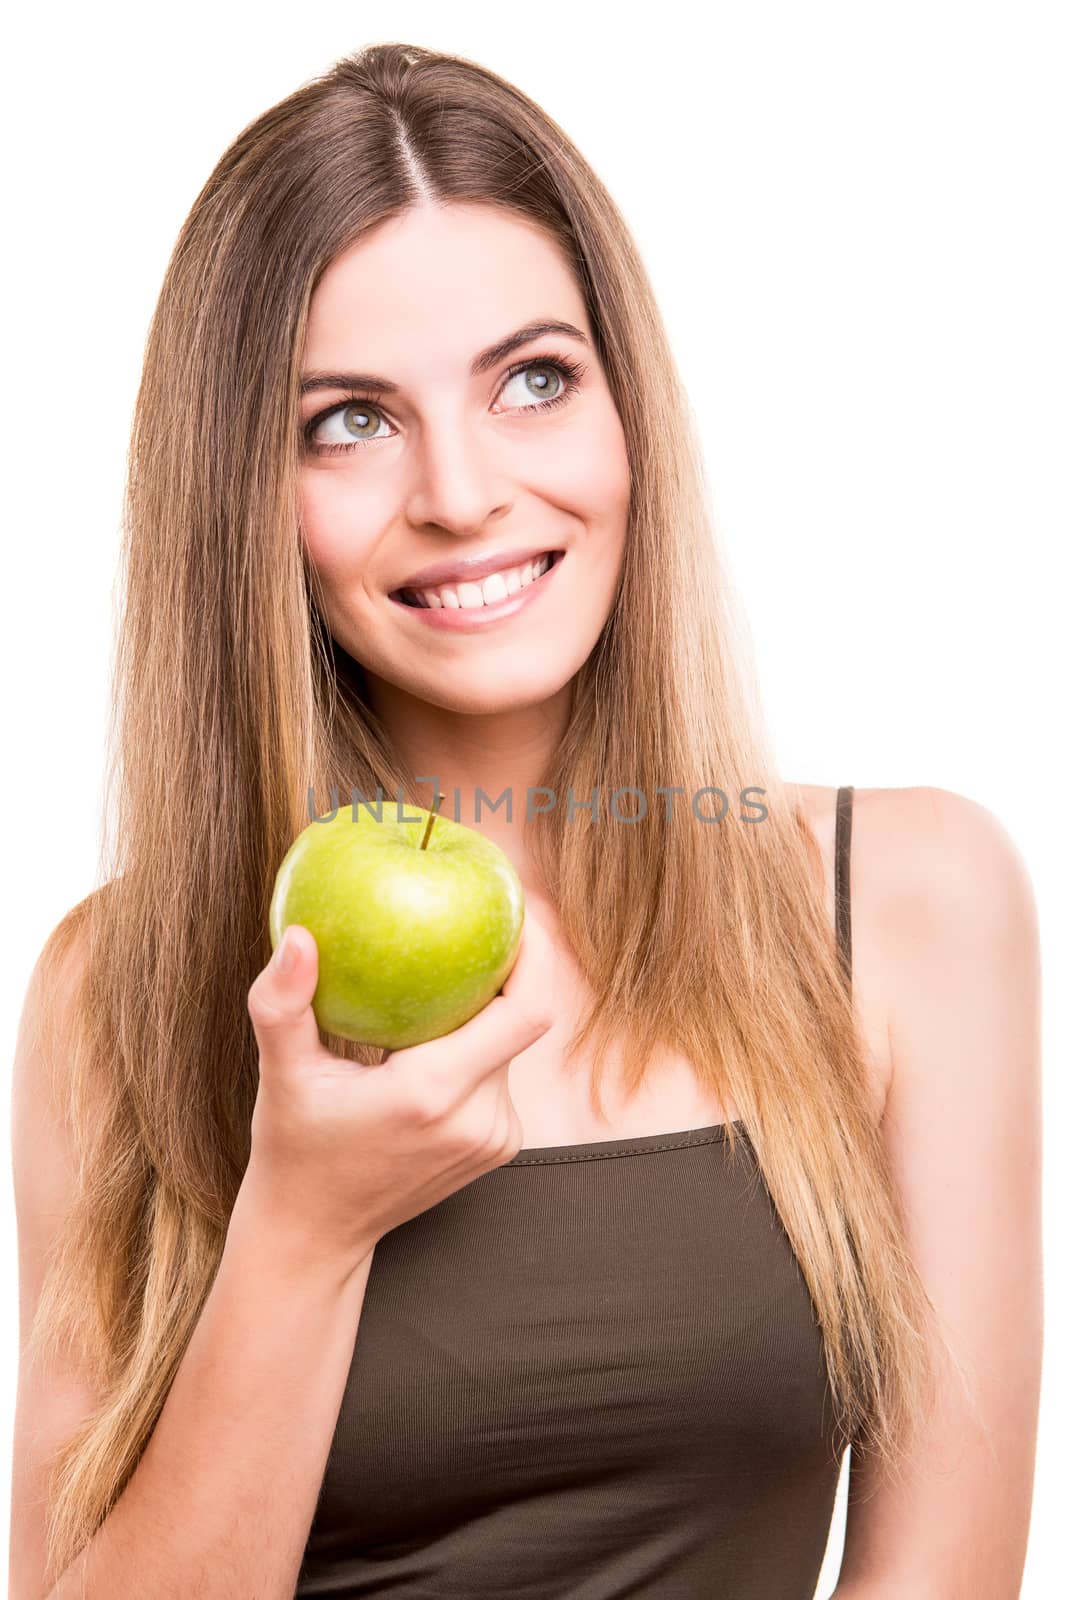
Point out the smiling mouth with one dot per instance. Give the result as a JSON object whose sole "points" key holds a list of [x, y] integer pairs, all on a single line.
{"points": [[409, 597]]}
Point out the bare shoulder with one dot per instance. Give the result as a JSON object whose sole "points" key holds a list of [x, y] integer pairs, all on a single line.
{"points": [[48, 1014], [43, 1155], [931, 871], [53, 1395], [917, 852], [938, 863]]}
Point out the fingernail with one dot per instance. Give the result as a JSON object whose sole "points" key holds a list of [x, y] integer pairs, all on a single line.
{"points": [[286, 954]]}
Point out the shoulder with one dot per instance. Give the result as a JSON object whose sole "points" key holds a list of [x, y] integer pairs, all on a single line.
{"points": [[924, 859], [956, 925], [40, 1079], [941, 867], [49, 1002], [56, 1388], [43, 1078], [940, 897]]}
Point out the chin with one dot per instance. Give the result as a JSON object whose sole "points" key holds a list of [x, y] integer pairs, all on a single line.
{"points": [[479, 698]]}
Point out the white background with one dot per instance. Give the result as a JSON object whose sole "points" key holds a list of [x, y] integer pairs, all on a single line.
{"points": [[853, 215]]}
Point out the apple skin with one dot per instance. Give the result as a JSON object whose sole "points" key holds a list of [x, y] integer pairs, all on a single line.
{"points": [[412, 943]]}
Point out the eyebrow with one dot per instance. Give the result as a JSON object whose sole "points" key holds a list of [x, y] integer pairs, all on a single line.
{"points": [[487, 359]]}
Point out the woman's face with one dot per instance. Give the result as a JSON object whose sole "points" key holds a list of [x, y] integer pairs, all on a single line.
{"points": [[442, 464]]}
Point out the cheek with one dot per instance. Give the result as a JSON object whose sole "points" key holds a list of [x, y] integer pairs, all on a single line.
{"points": [[336, 537], [591, 471]]}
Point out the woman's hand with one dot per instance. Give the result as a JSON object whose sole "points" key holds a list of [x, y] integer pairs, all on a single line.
{"points": [[341, 1152]]}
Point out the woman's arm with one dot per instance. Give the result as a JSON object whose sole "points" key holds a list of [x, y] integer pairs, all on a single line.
{"points": [[226, 1492], [224, 1495], [942, 891], [222, 1500]]}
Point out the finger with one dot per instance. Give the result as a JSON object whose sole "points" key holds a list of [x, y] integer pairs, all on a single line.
{"points": [[530, 970], [279, 1001], [509, 1024], [462, 1059]]}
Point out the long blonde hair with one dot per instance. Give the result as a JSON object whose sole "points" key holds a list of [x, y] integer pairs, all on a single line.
{"points": [[231, 701]]}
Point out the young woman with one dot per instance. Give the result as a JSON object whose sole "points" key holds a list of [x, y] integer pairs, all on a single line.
{"points": [[743, 1165]]}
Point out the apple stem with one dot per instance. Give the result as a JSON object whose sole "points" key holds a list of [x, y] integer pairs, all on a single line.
{"points": [[429, 826]]}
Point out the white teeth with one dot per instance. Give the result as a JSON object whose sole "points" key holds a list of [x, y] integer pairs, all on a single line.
{"points": [[497, 586]]}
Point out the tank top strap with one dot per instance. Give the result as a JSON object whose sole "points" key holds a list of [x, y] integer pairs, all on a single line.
{"points": [[842, 885]]}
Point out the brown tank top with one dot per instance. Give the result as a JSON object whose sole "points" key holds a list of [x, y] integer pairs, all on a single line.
{"points": [[592, 1372]]}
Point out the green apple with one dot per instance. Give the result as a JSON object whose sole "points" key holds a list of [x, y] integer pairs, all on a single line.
{"points": [[417, 920]]}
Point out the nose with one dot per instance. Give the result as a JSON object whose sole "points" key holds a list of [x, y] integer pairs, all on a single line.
{"points": [[457, 484]]}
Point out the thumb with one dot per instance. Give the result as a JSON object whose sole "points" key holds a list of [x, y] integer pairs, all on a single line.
{"points": [[279, 1001]]}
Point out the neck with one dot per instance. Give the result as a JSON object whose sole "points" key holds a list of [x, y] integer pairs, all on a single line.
{"points": [[477, 759]]}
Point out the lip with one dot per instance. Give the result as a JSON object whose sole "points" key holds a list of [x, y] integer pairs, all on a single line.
{"points": [[471, 568], [469, 619]]}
